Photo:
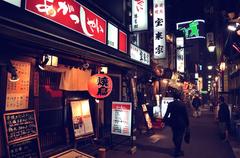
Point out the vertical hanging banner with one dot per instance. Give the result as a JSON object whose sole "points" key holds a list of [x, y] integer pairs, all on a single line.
{"points": [[139, 15], [180, 54], [159, 43]]}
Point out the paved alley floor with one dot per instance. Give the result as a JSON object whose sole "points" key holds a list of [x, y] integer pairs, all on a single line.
{"points": [[205, 142]]}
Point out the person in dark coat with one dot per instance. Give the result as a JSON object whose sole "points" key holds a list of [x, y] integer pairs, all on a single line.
{"points": [[224, 118], [178, 121], [196, 103]]}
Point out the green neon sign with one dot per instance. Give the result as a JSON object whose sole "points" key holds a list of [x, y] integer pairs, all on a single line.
{"points": [[192, 29]]}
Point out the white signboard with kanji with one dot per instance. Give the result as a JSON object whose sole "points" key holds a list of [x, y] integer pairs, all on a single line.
{"points": [[159, 43], [139, 15], [180, 54], [139, 55]]}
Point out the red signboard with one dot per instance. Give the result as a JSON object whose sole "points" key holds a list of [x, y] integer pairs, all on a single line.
{"points": [[122, 41], [72, 15], [100, 86]]}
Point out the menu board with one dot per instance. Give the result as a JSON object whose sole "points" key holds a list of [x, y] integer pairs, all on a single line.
{"points": [[164, 105], [24, 149], [20, 125], [72, 153], [121, 118], [18, 92], [81, 118]]}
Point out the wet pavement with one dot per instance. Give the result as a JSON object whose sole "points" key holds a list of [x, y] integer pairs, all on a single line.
{"points": [[205, 142]]}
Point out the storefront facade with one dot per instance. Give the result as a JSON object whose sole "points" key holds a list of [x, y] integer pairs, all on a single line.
{"points": [[28, 34]]}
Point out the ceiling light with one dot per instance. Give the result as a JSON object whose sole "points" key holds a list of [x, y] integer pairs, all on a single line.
{"points": [[210, 67], [211, 47]]}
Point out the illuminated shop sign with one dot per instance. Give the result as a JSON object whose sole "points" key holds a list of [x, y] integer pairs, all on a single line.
{"points": [[121, 118], [100, 86], [159, 45], [112, 36], [139, 15], [122, 41], [192, 29], [180, 54], [14, 2], [139, 55], [72, 15]]}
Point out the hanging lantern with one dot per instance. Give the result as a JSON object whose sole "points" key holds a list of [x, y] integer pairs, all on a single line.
{"points": [[100, 86]]}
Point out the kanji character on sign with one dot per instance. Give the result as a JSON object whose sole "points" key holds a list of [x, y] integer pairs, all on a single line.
{"points": [[159, 22], [159, 49], [102, 91], [103, 81], [159, 35]]}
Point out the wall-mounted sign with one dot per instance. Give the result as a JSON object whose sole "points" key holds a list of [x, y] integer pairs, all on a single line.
{"points": [[180, 54], [14, 2], [159, 41], [121, 118], [122, 41], [100, 86], [72, 15], [81, 118], [139, 15], [139, 55], [112, 36], [18, 92], [192, 29], [164, 105]]}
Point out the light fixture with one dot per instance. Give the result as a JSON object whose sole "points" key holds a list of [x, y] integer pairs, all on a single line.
{"points": [[209, 81], [44, 62], [104, 69], [210, 67], [11, 69], [85, 65], [135, 75], [53, 60], [209, 76], [232, 26], [211, 47], [222, 66]]}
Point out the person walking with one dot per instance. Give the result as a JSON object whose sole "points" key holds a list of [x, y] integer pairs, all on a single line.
{"points": [[196, 103], [224, 118], [178, 121]]}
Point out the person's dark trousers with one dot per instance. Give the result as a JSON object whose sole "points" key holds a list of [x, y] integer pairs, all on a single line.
{"points": [[178, 134]]}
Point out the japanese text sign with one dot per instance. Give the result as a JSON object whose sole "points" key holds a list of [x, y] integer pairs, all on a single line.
{"points": [[192, 29], [72, 15], [180, 54], [100, 86], [122, 41], [139, 55], [139, 15], [159, 42], [121, 118]]}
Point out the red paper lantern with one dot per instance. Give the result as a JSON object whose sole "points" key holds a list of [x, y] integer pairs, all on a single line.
{"points": [[100, 86]]}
